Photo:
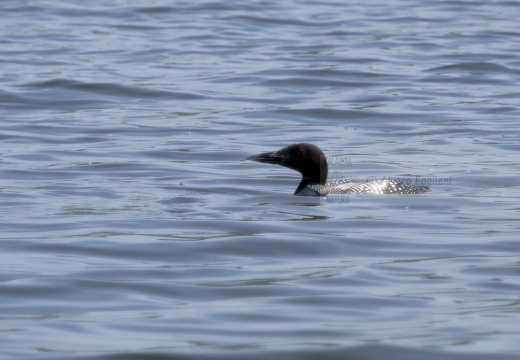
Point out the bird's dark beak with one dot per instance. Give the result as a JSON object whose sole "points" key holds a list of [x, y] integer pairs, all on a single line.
{"points": [[273, 157]]}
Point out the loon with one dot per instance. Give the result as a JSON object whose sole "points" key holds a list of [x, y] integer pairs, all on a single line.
{"points": [[310, 162]]}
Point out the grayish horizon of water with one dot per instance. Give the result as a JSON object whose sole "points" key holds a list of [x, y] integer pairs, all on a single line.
{"points": [[131, 226]]}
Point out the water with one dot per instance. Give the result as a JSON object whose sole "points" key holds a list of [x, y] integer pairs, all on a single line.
{"points": [[130, 226]]}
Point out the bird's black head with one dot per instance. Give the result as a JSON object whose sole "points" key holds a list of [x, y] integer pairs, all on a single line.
{"points": [[307, 159]]}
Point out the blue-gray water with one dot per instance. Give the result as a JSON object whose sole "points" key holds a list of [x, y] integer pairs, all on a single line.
{"points": [[131, 226]]}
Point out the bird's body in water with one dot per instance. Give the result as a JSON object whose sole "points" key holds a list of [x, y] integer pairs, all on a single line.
{"points": [[310, 162]]}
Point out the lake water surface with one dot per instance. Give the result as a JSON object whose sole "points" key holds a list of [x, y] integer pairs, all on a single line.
{"points": [[131, 226]]}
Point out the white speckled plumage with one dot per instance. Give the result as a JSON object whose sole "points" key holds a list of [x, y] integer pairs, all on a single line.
{"points": [[380, 187]]}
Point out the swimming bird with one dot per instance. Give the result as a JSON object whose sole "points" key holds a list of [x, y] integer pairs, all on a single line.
{"points": [[310, 162]]}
